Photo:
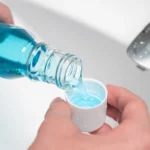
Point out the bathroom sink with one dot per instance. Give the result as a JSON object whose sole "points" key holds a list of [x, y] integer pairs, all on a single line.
{"points": [[99, 36]]}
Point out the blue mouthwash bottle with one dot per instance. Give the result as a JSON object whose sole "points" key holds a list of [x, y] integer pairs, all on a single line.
{"points": [[21, 55]]}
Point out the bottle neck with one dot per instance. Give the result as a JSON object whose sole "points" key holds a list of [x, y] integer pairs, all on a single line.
{"points": [[50, 65]]}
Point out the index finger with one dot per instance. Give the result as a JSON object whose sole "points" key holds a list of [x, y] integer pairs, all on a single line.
{"points": [[5, 14], [131, 106]]}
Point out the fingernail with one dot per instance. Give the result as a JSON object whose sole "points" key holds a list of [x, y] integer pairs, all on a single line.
{"points": [[55, 101], [52, 105]]}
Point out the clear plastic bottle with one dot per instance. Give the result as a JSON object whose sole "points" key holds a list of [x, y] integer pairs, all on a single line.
{"points": [[21, 55]]}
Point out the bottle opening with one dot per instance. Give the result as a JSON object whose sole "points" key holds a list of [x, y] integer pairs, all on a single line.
{"points": [[69, 71]]}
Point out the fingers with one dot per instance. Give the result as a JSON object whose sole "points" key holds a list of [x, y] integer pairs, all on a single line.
{"points": [[104, 129], [58, 120], [130, 105], [5, 14]]}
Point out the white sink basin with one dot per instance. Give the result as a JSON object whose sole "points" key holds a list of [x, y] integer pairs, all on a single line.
{"points": [[104, 58]]}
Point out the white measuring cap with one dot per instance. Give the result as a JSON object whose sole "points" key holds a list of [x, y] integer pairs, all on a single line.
{"points": [[91, 118]]}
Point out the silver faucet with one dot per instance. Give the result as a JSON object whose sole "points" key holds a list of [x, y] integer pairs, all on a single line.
{"points": [[139, 49]]}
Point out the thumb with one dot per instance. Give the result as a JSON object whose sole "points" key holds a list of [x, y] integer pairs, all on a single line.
{"points": [[58, 120], [56, 125], [59, 108]]}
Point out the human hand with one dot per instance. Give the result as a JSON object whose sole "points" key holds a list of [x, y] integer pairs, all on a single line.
{"points": [[5, 14], [133, 133]]}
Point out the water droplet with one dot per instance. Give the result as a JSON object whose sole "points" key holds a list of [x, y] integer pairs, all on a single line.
{"points": [[142, 42]]}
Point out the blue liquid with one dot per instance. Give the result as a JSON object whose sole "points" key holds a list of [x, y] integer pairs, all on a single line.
{"points": [[85, 102], [15, 47], [80, 97]]}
